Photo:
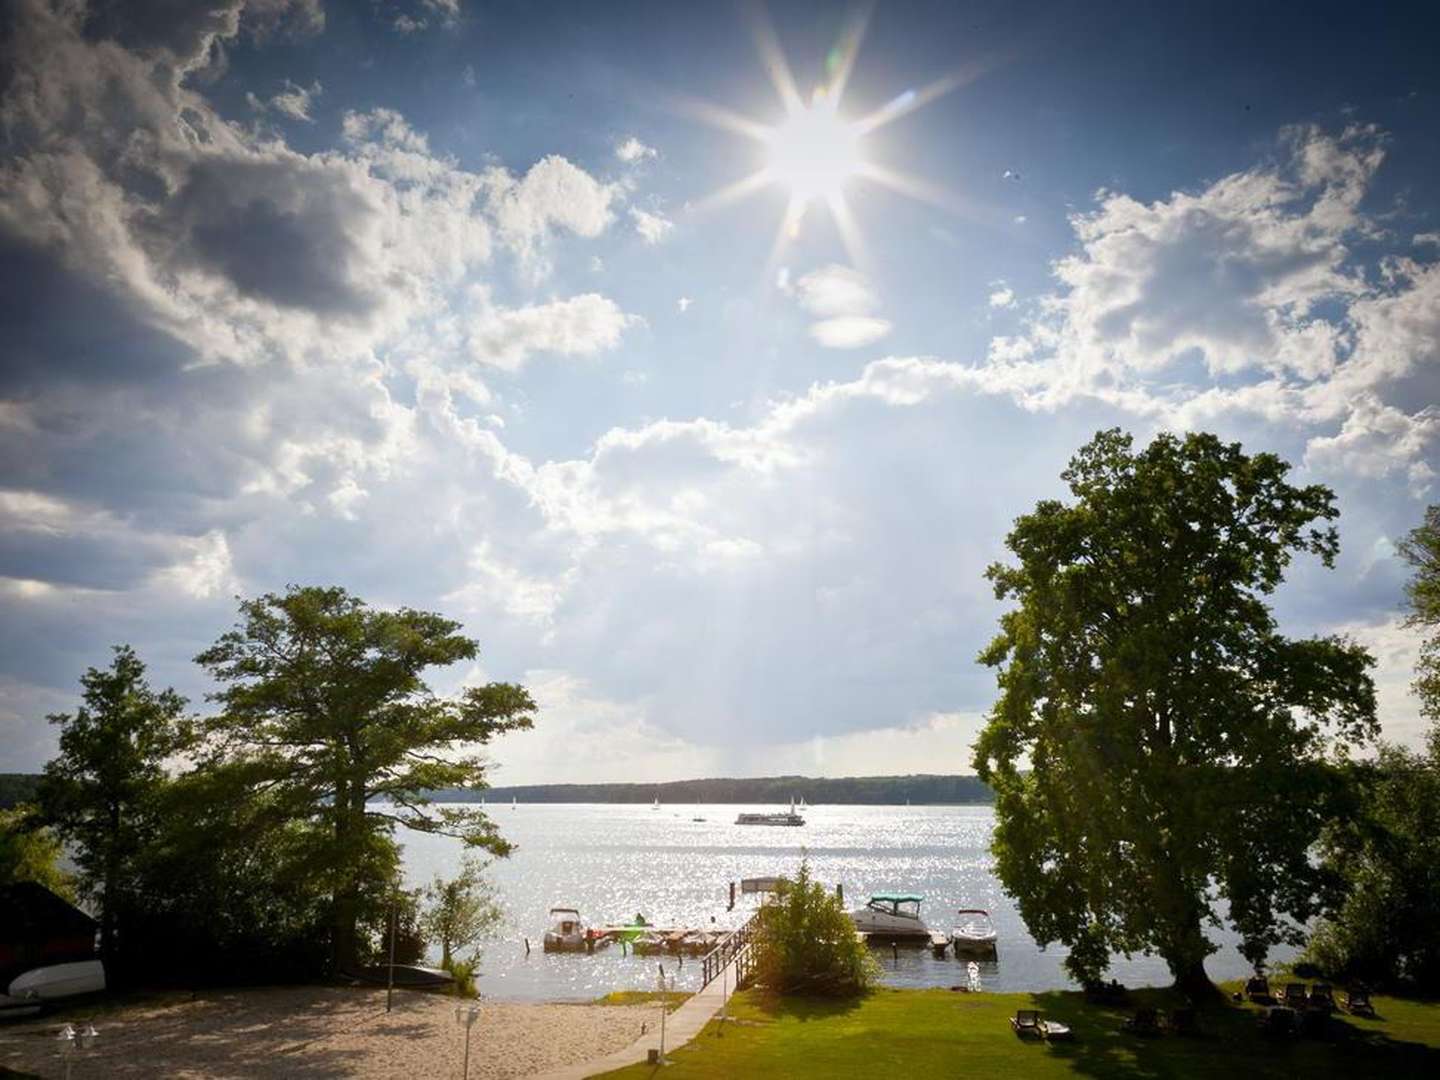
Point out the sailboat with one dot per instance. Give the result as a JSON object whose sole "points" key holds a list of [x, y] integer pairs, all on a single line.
{"points": [[656, 804], [512, 802]]}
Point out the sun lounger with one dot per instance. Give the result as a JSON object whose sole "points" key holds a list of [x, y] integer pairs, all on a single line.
{"points": [[1357, 1003], [1322, 997], [1295, 995], [1026, 1022], [1258, 988], [1054, 1031], [1144, 1022]]}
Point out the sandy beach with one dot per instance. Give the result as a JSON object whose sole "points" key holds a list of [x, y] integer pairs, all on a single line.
{"points": [[323, 1032]]}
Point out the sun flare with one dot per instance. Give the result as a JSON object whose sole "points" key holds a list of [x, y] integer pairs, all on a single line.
{"points": [[815, 151]]}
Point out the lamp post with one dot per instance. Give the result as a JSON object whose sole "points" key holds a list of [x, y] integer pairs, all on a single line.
{"points": [[663, 1010], [69, 1039], [467, 1016]]}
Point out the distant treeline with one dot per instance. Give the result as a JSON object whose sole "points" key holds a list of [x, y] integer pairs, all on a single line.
{"points": [[759, 791], [17, 787]]}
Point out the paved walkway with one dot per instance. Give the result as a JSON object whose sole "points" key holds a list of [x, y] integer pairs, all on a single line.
{"points": [[681, 1026]]}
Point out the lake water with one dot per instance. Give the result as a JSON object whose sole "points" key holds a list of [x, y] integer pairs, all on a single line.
{"points": [[612, 861]]}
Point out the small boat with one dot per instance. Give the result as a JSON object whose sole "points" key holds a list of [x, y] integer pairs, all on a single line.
{"points": [[512, 802], [790, 818], [974, 933], [656, 804], [891, 915], [59, 981], [650, 943], [567, 933], [411, 976]]}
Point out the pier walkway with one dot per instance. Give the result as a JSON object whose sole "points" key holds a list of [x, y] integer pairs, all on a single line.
{"points": [[681, 1026]]}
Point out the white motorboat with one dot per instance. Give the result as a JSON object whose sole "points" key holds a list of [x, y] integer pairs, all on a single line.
{"points": [[59, 981], [893, 915], [567, 933], [974, 933]]}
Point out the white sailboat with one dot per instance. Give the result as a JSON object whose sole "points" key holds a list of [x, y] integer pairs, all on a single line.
{"points": [[656, 804], [512, 802]]}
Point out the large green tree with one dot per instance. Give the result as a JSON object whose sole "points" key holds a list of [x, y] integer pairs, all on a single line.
{"points": [[31, 852], [100, 793], [326, 710], [1157, 746]]}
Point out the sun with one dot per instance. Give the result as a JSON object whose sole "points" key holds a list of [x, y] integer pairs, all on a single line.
{"points": [[815, 152]]}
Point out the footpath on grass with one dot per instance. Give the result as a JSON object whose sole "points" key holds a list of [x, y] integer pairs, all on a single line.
{"points": [[680, 1027]]}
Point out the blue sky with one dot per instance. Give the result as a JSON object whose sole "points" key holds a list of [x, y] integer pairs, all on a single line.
{"points": [[438, 301]]}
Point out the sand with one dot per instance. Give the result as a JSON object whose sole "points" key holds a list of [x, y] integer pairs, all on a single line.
{"points": [[322, 1031]]}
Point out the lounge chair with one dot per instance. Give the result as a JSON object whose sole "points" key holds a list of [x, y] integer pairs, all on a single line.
{"points": [[1144, 1022], [1054, 1031], [1295, 995], [1357, 1002], [1026, 1022], [1258, 988], [1183, 1022], [1322, 997], [1278, 1021]]}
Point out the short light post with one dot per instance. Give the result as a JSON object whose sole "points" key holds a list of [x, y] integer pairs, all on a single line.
{"points": [[71, 1040], [467, 1015], [663, 1010]]}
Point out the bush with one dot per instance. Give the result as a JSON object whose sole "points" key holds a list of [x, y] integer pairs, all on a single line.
{"points": [[806, 943], [464, 972]]}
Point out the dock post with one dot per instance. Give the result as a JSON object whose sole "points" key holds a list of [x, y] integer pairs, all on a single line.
{"points": [[527, 946], [732, 897], [840, 891]]}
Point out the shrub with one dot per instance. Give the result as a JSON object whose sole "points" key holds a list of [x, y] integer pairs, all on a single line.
{"points": [[806, 943]]}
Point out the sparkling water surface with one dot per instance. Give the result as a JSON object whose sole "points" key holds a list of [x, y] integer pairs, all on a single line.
{"points": [[613, 861]]}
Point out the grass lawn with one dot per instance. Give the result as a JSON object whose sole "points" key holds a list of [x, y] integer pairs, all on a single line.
{"points": [[938, 1033]]}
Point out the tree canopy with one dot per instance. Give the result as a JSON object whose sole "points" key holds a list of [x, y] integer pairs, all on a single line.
{"points": [[100, 791], [325, 709], [1177, 744], [1421, 549]]}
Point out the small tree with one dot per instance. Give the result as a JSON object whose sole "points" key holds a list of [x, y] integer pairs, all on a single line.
{"points": [[31, 852], [100, 791], [806, 943], [1385, 926], [325, 708], [461, 912], [1157, 745]]}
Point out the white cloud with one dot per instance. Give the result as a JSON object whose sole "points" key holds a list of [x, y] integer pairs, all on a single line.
{"points": [[683, 304], [580, 326], [652, 227], [1426, 238], [293, 101], [849, 331], [632, 150], [1001, 295]]}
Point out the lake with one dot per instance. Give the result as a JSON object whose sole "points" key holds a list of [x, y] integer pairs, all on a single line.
{"points": [[613, 861]]}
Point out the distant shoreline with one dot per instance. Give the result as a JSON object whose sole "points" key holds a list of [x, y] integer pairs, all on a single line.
{"points": [[919, 789]]}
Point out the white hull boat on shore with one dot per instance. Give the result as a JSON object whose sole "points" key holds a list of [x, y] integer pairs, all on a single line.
{"points": [[31, 989]]}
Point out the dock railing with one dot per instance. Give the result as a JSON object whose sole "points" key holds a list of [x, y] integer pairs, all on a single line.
{"points": [[733, 946]]}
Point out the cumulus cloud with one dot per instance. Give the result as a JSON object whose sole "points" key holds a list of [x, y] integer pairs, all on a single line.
{"points": [[580, 326], [652, 227], [632, 150], [293, 101], [842, 299], [1001, 295]]}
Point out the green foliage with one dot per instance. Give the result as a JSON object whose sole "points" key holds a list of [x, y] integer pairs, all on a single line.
{"points": [[464, 972], [17, 788], [324, 708], [1385, 926], [806, 943], [31, 852], [1178, 744], [401, 914], [1421, 549], [100, 792], [460, 912]]}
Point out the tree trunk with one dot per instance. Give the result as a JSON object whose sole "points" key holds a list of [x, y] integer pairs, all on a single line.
{"points": [[1192, 981], [111, 888]]}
